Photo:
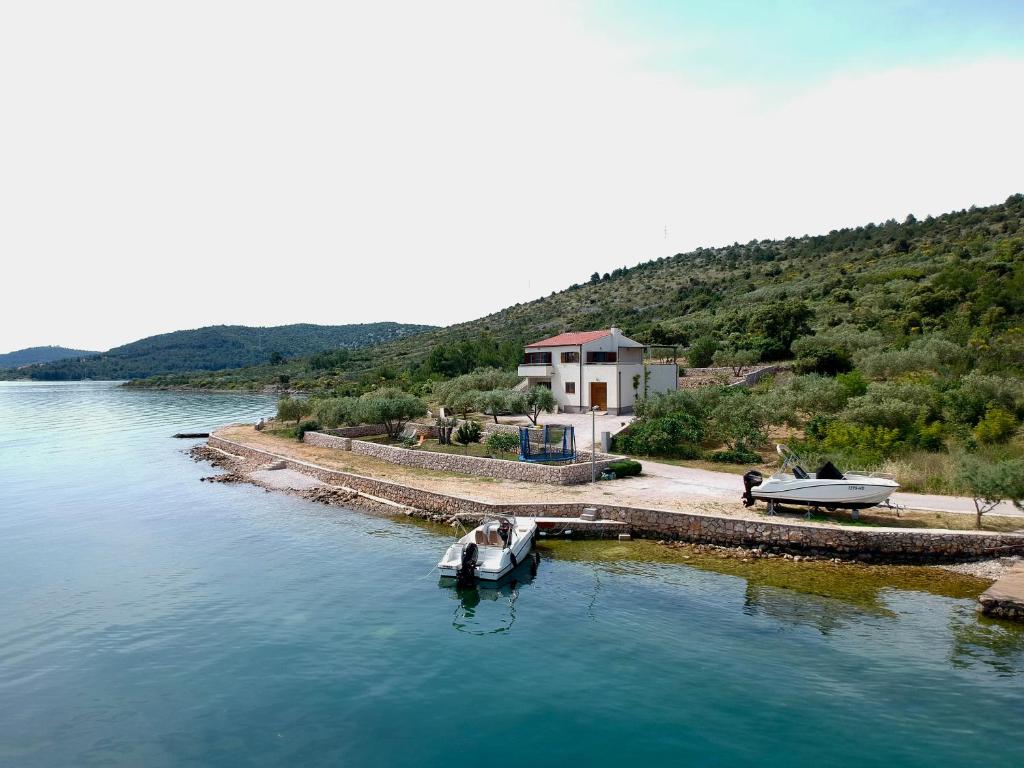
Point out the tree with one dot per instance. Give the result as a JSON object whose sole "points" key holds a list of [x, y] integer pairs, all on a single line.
{"points": [[332, 412], [494, 402], [990, 482], [701, 352], [464, 402], [289, 408], [741, 421], [390, 407], [539, 399], [444, 429], [780, 324], [736, 359]]}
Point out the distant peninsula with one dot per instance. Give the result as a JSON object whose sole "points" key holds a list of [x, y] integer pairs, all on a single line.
{"points": [[212, 348]]}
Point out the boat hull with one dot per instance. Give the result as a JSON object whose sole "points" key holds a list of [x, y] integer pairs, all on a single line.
{"points": [[850, 493], [494, 563]]}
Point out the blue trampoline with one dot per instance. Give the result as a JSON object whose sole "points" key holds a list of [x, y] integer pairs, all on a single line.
{"points": [[559, 444]]}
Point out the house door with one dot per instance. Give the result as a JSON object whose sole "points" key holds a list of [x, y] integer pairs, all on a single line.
{"points": [[599, 394]]}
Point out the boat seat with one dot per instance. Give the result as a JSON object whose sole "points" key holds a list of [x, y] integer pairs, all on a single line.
{"points": [[488, 539], [800, 473]]}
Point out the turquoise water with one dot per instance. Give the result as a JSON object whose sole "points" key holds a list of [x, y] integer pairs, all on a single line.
{"points": [[150, 619]]}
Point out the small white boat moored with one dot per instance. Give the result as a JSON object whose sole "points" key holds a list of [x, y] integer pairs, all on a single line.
{"points": [[828, 487], [491, 550]]}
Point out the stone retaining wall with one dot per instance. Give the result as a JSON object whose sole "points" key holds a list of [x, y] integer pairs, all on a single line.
{"points": [[363, 430], [882, 544], [504, 469]]}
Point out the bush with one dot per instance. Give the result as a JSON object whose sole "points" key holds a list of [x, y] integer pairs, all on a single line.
{"points": [[701, 352], [307, 426], [676, 436], [503, 442], [468, 432], [819, 355], [737, 456], [862, 445], [626, 468], [997, 426]]}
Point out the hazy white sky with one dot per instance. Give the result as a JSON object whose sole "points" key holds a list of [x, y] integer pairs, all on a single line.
{"points": [[172, 165]]}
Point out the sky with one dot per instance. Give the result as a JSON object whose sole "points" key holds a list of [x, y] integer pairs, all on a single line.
{"points": [[174, 165]]}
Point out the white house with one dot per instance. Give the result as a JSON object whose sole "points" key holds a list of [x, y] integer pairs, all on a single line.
{"points": [[595, 368]]}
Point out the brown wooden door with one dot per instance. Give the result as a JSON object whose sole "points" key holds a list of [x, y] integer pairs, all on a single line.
{"points": [[599, 395]]}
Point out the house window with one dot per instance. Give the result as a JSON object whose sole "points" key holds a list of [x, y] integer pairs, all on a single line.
{"points": [[537, 358], [601, 357], [570, 357], [570, 387]]}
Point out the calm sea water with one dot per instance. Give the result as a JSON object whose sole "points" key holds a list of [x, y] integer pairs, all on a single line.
{"points": [[150, 619]]}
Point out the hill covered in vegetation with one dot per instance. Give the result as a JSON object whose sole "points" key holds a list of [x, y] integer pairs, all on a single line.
{"points": [[35, 355], [960, 275], [216, 347]]}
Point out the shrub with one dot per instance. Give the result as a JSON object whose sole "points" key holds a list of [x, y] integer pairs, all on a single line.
{"points": [[997, 426], [819, 355], [741, 420], [468, 432], [701, 352], [503, 442], [307, 426], [738, 456], [860, 444], [675, 436], [626, 468]]}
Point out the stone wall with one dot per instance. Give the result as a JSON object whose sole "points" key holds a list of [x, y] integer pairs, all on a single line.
{"points": [[363, 430], [560, 474], [882, 544]]}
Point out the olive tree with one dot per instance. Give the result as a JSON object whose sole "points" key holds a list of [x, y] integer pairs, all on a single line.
{"points": [[990, 482], [390, 407], [495, 402], [736, 359], [539, 399], [333, 412], [289, 408]]}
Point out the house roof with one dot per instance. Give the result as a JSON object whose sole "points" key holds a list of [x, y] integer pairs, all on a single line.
{"points": [[572, 339]]}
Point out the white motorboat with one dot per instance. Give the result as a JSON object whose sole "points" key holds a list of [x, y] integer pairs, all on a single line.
{"points": [[491, 550], [828, 487]]}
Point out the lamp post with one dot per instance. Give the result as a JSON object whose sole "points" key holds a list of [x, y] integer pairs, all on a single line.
{"points": [[593, 443]]}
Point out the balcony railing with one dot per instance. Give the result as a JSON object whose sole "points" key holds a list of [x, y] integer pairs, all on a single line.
{"points": [[536, 358]]}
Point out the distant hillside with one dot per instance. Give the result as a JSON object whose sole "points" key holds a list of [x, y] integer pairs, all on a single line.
{"points": [[33, 355], [216, 347], [961, 274]]}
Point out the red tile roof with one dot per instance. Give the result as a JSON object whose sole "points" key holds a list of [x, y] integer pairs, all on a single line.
{"points": [[572, 339]]}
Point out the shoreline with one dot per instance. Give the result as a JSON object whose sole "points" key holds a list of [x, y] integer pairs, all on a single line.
{"points": [[803, 573], [701, 523]]}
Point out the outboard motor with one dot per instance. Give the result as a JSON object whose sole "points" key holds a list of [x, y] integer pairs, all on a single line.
{"points": [[750, 480], [466, 574]]}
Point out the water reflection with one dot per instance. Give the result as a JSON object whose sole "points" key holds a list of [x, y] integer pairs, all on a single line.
{"points": [[489, 609]]}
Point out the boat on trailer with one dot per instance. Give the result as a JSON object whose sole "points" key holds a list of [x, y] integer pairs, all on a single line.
{"points": [[828, 487], [490, 551]]}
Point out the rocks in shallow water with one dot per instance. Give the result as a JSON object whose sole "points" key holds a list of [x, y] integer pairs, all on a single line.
{"points": [[327, 495], [228, 477]]}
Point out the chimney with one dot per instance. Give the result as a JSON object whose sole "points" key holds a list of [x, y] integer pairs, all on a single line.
{"points": [[615, 331]]}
